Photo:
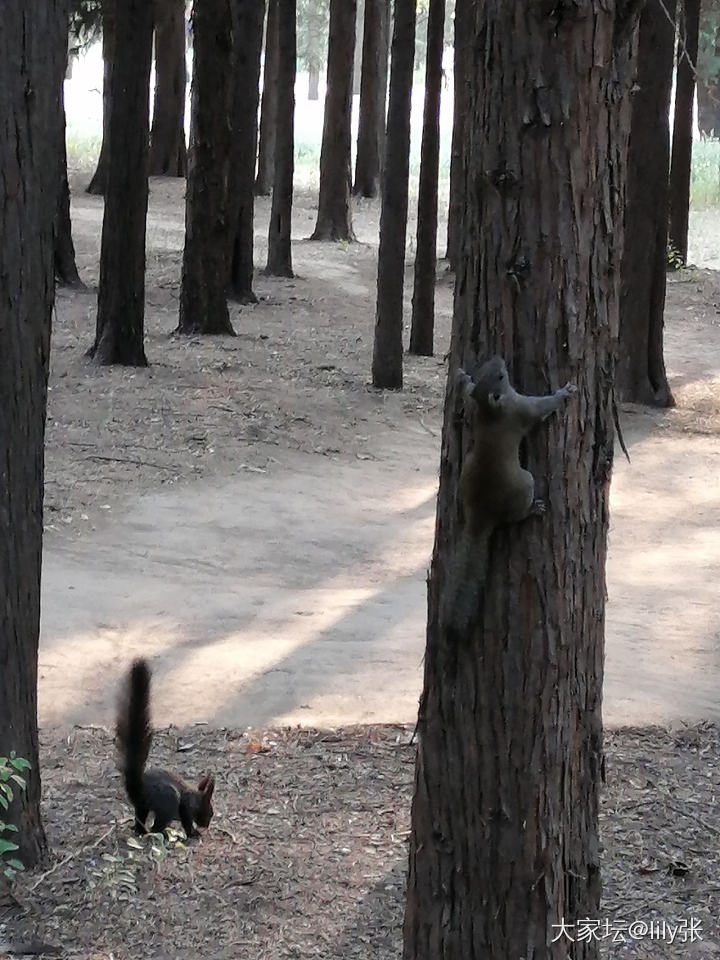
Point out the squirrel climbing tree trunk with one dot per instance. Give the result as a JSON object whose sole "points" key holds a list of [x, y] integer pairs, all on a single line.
{"points": [[504, 842]]}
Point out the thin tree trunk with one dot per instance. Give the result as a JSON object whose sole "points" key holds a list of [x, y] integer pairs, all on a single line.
{"points": [[357, 47], [205, 271], [423, 303], [504, 842], [313, 82], [168, 154], [246, 96], [120, 328], [641, 376], [682, 138], [388, 348], [269, 106], [30, 62], [373, 97], [461, 80], [279, 259], [98, 181], [66, 271], [334, 220]]}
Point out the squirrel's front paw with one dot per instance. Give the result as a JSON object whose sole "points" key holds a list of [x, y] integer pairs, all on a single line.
{"points": [[568, 390]]}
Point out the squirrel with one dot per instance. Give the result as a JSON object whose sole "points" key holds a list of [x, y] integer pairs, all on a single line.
{"points": [[494, 488], [164, 793]]}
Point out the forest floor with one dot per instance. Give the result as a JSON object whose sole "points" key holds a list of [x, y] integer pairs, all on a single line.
{"points": [[257, 520]]}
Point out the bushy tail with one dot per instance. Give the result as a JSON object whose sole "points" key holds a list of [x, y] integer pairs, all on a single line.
{"points": [[464, 581], [134, 733]]}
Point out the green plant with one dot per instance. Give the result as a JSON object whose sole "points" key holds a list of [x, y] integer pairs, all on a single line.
{"points": [[11, 769], [674, 260], [115, 870]]}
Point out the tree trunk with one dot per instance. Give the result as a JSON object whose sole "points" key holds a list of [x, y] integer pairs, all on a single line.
{"points": [[373, 96], [641, 374], [98, 182], [388, 347], [269, 106], [423, 303], [246, 95], [461, 82], [504, 842], [708, 80], [66, 271], [30, 73], [168, 155], [682, 138], [119, 333], [313, 82], [334, 220], [205, 270], [357, 50], [708, 97], [279, 259]]}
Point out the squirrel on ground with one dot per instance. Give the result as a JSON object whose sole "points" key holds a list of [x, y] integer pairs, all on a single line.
{"points": [[494, 488], [164, 793]]}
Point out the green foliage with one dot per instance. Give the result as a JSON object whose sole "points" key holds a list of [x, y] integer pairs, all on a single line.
{"points": [[11, 770], [117, 871], [313, 19], [85, 22], [705, 174]]}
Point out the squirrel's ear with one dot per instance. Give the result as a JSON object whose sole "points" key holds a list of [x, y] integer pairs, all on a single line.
{"points": [[207, 786]]}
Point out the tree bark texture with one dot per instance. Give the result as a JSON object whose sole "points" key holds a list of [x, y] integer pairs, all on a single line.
{"points": [[99, 178], [423, 303], [269, 106], [313, 81], [461, 81], [504, 839], [641, 376], [30, 72], [66, 271], [279, 258], [246, 95], [373, 97], [388, 346], [168, 153], [120, 328], [334, 219], [358, 46], [682, 138], [708, 80], [208, 234]]}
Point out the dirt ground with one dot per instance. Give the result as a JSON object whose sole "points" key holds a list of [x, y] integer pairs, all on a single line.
{"points": [[253, 516]]}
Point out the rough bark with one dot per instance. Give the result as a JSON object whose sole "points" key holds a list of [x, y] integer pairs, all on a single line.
{"points": [[423, 302], [388, 347], [373, 97], [334, 219], [98, 181], [681, 158], [168, 154], [119, 333], [313, 81], [66, 271], [461, 80], [641, 376], [205, 270], [279, 259], [246, 95], [504, 841], [30, 110], [269, 106]]}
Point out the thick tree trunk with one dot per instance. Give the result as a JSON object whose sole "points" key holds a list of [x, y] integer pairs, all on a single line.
{"points": [[373, 97], [246, 73], [334, 220], [279, 259], [119, 334], [708, 97], [504, 841], [269, 106], [66, 271], [423, 303], [205, 270], [98, 182], [168, 154], [461, 83], [357, 51], [313, 82], [29, 63], [682, 138], [641, 376], [388, 347]]}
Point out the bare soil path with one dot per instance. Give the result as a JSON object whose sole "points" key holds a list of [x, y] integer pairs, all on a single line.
{"points": [[251, 515]]}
